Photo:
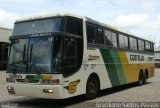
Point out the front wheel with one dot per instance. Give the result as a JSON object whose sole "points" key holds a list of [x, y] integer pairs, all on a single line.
{"points": [[92, 88]]}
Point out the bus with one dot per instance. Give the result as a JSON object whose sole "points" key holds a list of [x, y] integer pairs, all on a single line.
{"points": [[63, 55], [4, 45], [157, 57], [3, 55]]}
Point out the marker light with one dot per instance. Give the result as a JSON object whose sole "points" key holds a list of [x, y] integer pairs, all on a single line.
{"points": [[54, 81]]}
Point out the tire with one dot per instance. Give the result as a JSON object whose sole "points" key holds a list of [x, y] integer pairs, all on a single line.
{"points": [[144, 78], [92, 88], [141, 79]]}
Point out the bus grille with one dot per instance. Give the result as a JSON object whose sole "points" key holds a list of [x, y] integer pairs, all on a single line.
{"points": [[20, 80], [27, 81]]}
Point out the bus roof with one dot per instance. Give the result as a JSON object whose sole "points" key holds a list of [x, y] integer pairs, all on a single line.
{"points": [[82, 17], [37, 17]]}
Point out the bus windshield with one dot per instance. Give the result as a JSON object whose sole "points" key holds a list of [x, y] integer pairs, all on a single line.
{"points": [[43, 46], [35, 55]]}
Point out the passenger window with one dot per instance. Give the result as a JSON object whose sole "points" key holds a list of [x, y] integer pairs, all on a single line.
{"points": [[91, 34], [147, 46], [114, 39], [110, 38], [121, 41], [133, 43], [99, 35], [140, 45], [126, 42]]}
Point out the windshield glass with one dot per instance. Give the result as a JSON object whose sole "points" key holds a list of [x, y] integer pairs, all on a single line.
{"points": [[35, 55], [38, 26], [40, 54], [18, 57]]}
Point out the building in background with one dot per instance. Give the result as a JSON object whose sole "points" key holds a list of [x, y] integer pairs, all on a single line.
{"points": [[4, 44], [157, 57]]}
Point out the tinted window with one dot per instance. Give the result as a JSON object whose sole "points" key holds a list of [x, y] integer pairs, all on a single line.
{"points": [[99, 35], [140, 45], [39, 26], [133, 43], [126, 42], [123, 41], [91, 34], [110, 38], [72, 55], [114, 39], [147, 46], [74, 26], [152, 47]]}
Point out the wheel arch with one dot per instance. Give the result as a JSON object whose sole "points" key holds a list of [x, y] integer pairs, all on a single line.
{"points": [[146, 73], [95, 75]]}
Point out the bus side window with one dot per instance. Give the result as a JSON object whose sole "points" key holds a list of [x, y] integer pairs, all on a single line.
{"points": [[91, 34], [140, 45], [123, 41], [147, 47], [99, 36], [114, 39], [152, 47], [133, 43], [108, 38]]}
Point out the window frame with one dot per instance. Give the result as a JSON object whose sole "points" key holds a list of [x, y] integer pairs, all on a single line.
{"points": [[96, 27], [128, 48]]}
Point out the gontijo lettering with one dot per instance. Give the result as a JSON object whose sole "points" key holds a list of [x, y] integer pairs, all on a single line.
{"points": [[136, 57]]}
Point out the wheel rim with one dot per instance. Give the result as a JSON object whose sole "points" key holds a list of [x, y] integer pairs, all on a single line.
{"points": [[141, 80], [92, 89]]}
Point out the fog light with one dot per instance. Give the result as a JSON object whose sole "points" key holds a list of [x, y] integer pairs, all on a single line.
{"points": [[47, 90], [10, 88]]}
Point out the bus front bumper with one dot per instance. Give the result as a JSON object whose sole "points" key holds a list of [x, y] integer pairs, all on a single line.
{"points": [[39, 91]]}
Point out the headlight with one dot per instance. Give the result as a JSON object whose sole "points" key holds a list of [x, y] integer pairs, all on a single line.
{"points": [[10, 80]]}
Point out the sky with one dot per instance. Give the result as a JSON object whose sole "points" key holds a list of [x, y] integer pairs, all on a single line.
{"points": [[141, 17]]}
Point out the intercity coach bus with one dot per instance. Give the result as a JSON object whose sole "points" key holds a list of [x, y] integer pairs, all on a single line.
{"points": [[4, 44], [64, 55]]}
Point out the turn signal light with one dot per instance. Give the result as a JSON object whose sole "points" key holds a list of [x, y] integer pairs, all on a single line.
{"points": [[55, 81]]}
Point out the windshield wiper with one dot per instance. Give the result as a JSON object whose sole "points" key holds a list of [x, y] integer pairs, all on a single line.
{"points": [[31, 53], [24, 50]]}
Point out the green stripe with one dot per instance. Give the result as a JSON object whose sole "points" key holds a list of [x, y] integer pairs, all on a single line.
{"points": [[33, 77], [113, 66]]}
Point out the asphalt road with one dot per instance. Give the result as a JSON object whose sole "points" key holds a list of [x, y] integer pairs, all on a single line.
{"points": [[127, 93]]}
